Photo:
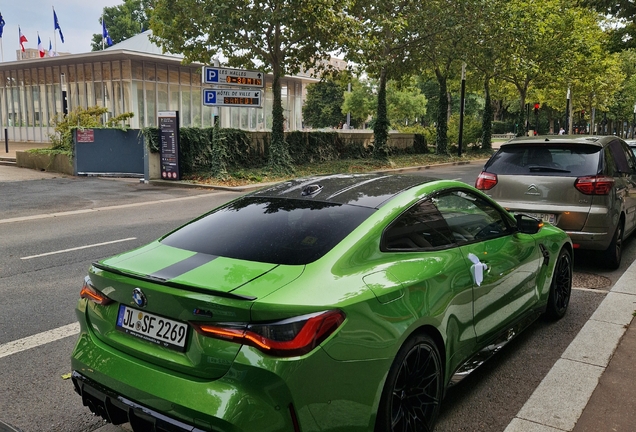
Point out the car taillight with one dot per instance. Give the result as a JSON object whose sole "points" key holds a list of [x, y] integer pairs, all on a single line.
{"points": [[594, 185], [486, 181], [90, 293], [287, 338]]}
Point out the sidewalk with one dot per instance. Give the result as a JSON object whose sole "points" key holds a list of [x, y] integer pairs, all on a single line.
{"points": [[15, 146], [592, 386]]}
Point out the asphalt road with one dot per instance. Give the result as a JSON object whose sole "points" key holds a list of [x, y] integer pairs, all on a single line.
{"points": [[51, 229]]}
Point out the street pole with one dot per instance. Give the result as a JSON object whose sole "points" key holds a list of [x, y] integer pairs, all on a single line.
{"points": [[461, 110], [567, 114], [634, 122], [349, 113]]}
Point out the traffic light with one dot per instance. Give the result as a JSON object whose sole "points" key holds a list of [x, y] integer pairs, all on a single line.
{"points": [[536, 108]]}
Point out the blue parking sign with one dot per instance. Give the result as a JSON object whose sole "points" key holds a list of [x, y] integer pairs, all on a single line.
{"points": [[209, 97], [211, 75]]}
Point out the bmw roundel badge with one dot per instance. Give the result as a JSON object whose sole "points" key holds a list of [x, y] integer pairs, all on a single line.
{"points": [[139, 297]]}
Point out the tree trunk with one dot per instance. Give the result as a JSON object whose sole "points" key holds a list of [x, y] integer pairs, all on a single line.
{"points": [[441, 142], [381, 127], [279, 159], [486, 122]]}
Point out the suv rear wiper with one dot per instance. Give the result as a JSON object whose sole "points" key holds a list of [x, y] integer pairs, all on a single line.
{"points": [[547, 169]]}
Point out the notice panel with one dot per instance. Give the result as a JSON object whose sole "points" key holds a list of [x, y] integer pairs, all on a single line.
{"points": [[169, 141], [229, 97]]}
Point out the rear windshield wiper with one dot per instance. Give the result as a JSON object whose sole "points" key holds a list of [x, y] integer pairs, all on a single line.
{"points": [[547, 169]]}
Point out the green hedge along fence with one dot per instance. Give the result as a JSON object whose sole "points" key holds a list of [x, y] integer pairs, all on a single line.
{"points": [[215, 150]]}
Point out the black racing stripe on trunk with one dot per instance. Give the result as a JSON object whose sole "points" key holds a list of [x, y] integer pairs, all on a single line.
{"points": [[177, 269]]}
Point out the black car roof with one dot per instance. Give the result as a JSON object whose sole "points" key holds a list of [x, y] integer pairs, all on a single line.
{"points": [[367, 190]]}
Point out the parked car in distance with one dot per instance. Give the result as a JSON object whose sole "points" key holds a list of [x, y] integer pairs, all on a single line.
{"points": [[584, 185], [632, 145], [344, 302]]}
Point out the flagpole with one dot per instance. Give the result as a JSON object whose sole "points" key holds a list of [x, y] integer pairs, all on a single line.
{"points": [[54, 36], [103, 32]]}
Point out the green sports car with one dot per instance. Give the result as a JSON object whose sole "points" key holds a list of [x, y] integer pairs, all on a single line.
{"points": [[336, 303]]}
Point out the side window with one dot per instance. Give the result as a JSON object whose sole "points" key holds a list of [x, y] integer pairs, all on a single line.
{"points": [[619, 156], [629, 155], [421, 227], [471, 218], [610, 167]]}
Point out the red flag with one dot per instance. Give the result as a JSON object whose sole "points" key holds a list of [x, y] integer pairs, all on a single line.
{"points": [[23, 39]]}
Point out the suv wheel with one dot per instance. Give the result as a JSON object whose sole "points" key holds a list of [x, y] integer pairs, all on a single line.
{"points": [[613, 253]]}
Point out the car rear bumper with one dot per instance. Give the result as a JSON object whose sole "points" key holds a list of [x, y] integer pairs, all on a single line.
{"points": [[258, 393], [590, 240]]}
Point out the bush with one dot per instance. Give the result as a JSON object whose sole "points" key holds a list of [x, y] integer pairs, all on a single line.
{"points": [[82, 118]]}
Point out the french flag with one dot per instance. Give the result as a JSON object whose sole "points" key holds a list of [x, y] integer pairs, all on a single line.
{"points": [[40, 47], [23, 39]]}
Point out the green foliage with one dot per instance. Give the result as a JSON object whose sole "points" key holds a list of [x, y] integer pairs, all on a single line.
{"points": [[406, 103], [500, 127], [471, 132], [313, 147], [82, 118], [322, 106], [360, 102], [123, 21]]}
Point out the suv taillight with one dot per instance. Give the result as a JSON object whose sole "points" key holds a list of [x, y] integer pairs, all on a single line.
{"points": [[594, 185], [486, 181]]}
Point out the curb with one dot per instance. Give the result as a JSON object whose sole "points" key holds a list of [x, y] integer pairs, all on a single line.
{"points": [[559, 400], [5, 427]]}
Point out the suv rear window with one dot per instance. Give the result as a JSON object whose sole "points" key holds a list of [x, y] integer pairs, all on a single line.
{"points": [[271, 230], [556, 160]]}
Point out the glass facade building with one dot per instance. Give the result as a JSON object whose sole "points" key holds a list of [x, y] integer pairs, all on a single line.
{"points": [[124, 80]]}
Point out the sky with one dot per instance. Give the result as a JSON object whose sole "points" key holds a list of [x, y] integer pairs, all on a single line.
{"points": [[78, 19]]}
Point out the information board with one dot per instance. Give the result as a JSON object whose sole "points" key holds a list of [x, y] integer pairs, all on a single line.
{"points": [[169, 141], [230, 97], [237, 77]]}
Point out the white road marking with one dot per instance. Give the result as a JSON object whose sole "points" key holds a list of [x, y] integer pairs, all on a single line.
{"points": [[39, 339], [78, 248], [98, 209]]}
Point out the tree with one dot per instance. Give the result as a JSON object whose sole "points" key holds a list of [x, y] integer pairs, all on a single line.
{"points": [[381, 42], [361, 102], [283, 37], [623, 23], [323, 103], [405, 103], [123, 21]]}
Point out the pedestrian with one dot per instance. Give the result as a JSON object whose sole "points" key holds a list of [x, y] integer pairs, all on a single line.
{"points": [[561, 131]]}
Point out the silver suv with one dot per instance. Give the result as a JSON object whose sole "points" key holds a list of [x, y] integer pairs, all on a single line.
{"points": [[584, 185]]}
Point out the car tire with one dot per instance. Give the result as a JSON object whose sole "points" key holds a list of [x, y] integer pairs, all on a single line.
{"points": [[614, 252], [560, 287], [413, 389]]}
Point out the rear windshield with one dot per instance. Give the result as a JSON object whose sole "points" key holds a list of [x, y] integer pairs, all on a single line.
{"points": [[555, 160], [277, 231]]}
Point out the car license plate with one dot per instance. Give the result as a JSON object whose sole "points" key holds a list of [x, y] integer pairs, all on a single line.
{"points": [[152, 328], [545, 217]]}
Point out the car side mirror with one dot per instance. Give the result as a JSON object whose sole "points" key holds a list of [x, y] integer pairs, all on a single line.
{"points": [[527, 224]]}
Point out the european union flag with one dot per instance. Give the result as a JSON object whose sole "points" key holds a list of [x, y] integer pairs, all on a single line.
{"points": [[105, 34], [1, 25], [57, 25]]}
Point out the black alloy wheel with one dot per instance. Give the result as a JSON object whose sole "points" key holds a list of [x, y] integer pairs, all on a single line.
{"points": [[613, 253], [561, 286], [414, 388]]}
